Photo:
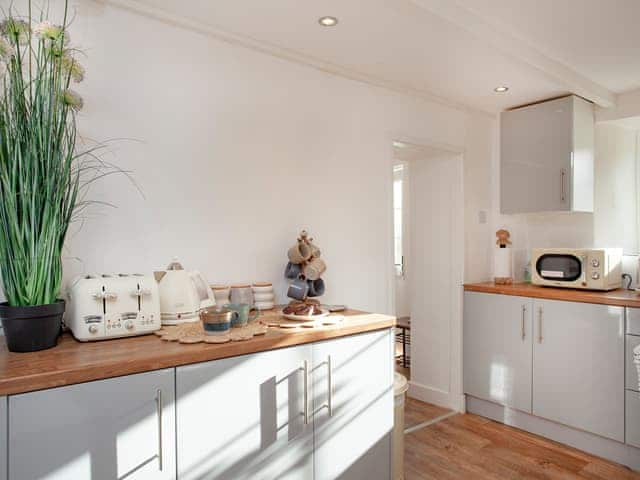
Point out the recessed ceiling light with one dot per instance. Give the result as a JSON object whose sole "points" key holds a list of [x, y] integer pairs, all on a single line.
{"points": [[399, 144], [328, 21], [501, 89]]}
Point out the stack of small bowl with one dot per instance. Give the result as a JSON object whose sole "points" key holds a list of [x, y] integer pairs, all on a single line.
{"points": [[263, 296]]}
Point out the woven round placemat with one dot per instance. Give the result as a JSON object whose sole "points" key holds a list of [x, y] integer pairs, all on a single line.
{"points": [[193, 332]]}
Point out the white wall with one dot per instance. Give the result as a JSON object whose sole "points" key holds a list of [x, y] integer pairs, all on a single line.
{"points": [[614, 221], [236, 151], [616, 214]]}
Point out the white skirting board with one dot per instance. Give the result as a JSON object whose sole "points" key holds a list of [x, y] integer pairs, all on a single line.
{"points": [[436, 396], [587, 442]]}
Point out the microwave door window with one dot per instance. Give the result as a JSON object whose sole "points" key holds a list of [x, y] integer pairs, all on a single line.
{"points": [[567, 268]]}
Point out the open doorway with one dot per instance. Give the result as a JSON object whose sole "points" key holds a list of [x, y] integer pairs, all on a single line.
{"points": [[428, 270]]}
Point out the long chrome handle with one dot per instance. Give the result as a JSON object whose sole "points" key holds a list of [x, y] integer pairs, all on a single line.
{"points": [[159, 413], [305, 369], [329, 386], [522, 325], [540, 325], [562, 182]]}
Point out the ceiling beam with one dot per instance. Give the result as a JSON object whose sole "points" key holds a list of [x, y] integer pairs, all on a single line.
{"points": [[628, 105], [519, 49]]}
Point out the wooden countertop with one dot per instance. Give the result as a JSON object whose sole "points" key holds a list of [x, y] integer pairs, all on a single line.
{"points": [[74, 362], [619, 297]]}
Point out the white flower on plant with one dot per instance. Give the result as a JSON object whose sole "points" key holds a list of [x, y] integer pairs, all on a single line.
{"points": [[72, 67], [15, 30], [72, 100], [49, 31], [6, 50]]}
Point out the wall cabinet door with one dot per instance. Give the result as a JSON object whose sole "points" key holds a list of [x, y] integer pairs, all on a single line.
{"points": [[353, 407], [536, 145], [244, 417], [578, 366], [546, 156], [497, 348], [111, 429]]}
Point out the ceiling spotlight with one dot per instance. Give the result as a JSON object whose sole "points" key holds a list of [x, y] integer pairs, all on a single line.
{"points": [[328, 21], [501, 89]]}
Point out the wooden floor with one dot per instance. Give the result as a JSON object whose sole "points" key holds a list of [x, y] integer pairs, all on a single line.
{"points": [[472, 447], [417, 412]]}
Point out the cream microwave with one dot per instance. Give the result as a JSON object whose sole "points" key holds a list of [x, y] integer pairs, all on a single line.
{"points": [[590, 268]]}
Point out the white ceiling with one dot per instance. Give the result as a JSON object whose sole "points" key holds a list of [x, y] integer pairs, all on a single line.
{"points": [[457, 52], [599, 39]]}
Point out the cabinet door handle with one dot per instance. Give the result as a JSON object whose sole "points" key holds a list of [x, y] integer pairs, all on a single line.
{"points": [[329, 386], [562, 182], [522, 324], [159, 414], [540, 325], [305, 369]]}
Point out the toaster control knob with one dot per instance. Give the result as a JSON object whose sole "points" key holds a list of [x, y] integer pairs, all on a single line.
{"points": [[93, 329], [595, 263], [595, 275], [128, 325]]}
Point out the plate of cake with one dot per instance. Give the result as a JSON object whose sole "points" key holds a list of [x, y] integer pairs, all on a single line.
{"points": [[307, 311]]}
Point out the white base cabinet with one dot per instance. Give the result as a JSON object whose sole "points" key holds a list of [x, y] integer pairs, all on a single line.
{"points": [[578, 366], [316, 411], [110, 429], [562, 361], [243, 418], [497, 349], [353, 407], [256, 417], [3, 438]]}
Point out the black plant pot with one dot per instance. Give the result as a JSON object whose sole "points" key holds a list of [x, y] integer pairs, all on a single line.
{"points": [[29, 329]]}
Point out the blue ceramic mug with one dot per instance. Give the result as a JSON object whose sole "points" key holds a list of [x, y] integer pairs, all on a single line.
{"points": [[316, 287], [241, 314], [293, 270], [299, 289], [216, 321]]}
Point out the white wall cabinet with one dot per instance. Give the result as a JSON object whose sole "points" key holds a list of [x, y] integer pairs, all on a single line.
{"points": [[546, 152], [244, 417], [578, 366], [111, 429], [353, 407], [497, 349], [571, 363]]}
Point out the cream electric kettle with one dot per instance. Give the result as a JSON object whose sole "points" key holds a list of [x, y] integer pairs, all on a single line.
{"points": [[182, 294]]}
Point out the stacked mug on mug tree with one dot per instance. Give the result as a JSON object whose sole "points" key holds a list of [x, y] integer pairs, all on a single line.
{"points": [[305, 268]]}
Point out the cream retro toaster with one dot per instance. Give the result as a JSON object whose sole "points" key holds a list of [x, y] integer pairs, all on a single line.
{"points": [[111, 306]]}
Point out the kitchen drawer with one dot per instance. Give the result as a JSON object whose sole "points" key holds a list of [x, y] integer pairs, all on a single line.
{"points": [[632, 435], [631, 371], [633, 321]]}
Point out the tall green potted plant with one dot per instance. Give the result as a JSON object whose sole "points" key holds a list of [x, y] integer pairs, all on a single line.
{"points": [[40, 174]]}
